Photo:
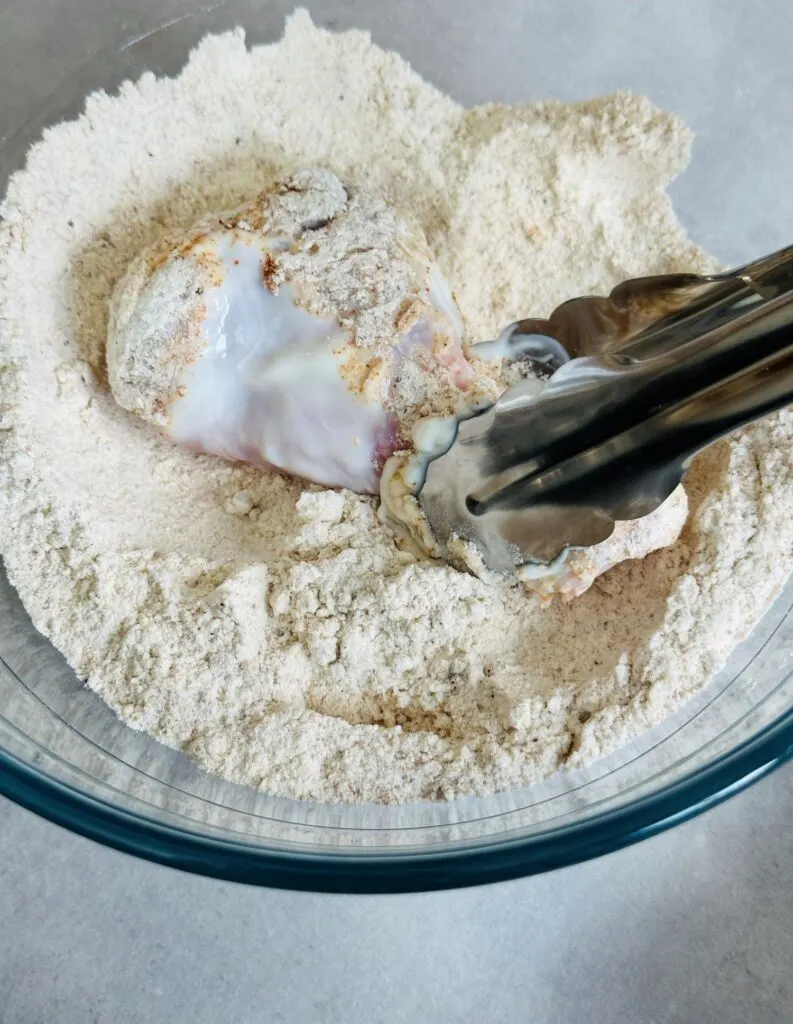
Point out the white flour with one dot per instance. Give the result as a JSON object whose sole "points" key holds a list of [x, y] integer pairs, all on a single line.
{"points": [[273, 630]]}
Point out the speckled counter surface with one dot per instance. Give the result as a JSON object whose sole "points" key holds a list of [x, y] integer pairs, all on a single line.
{"points": [[691, 927]]}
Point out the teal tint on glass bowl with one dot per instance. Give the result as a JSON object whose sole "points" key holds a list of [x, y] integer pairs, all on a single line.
{"points": [[62, 751]]}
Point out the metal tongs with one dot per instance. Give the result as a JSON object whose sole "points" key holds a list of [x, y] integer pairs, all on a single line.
{"points": [[640, 382]]}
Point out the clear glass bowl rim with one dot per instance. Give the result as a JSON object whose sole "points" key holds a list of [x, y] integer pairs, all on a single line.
{"points": [[393, 871]]}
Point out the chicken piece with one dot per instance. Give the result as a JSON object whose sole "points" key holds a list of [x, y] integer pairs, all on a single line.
{"points": [[303, 332], [310, 332]]}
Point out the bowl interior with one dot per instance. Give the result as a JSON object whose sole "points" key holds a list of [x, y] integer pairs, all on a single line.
{"points": [[66, 753]]}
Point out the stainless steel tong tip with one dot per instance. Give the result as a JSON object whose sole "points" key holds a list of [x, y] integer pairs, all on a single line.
{"points": [[640, 382]]}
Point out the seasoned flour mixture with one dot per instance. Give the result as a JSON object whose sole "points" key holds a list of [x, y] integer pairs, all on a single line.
{"points": [[271, 629]]}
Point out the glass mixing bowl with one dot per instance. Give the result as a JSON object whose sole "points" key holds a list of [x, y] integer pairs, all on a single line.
{"points": [[66, 756]]}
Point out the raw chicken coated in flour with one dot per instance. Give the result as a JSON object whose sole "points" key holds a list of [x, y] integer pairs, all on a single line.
{"points": [[304, 332], [309, 331]]}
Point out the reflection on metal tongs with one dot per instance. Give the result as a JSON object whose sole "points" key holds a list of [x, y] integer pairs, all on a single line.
{"points": [[642, 381]]}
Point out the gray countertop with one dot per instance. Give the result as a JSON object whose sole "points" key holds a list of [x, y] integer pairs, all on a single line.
{"points": [[691, 926]]}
